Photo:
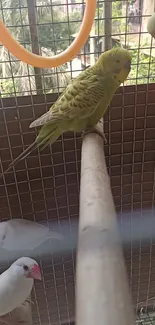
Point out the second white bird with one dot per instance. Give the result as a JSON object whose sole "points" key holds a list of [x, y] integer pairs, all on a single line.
{"points": [[16, 283]]}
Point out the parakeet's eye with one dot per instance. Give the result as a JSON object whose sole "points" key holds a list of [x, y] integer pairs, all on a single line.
{"points": [[25, 267], [118, 61]]}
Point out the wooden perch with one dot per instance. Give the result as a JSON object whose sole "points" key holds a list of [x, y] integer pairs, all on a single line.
{"points": [[102, 292]]}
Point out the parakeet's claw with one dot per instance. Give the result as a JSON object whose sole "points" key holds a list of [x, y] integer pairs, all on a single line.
{"points": [[21, 322], [18, 322], [96, 130], [7, 320], [28, 301]]}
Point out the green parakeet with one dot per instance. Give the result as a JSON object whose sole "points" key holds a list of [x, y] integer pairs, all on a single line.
{"points": [[84, 101]]}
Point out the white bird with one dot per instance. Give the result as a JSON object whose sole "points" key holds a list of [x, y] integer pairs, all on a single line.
{"points": [[16, 283], [20, 234]]}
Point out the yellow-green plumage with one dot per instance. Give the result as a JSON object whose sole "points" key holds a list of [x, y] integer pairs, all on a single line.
{"points": [[84, 101]]}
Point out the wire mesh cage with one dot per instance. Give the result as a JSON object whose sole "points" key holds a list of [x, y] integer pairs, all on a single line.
{"points": [[48, 27], [45, 186]]}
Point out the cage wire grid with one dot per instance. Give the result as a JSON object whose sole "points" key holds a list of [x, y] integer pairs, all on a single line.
{"points": [[45, 186]]}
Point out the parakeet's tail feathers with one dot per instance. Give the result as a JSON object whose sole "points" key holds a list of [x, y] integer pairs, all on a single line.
{"points": [[22, 156], [40, 142], [50, 138], [55, 235], [42, 120]]}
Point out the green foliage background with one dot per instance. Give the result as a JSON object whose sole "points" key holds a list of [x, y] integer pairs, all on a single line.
{"points": [[55, 32]]}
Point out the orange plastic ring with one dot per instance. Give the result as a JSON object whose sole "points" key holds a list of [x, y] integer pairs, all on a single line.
{"points": [[38, 61]]}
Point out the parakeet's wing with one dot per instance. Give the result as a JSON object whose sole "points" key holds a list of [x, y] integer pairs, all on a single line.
{"points": [[80, 100]]}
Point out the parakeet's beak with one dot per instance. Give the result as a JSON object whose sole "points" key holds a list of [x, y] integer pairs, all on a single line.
{"points": [[35, 273], [128, 65]]}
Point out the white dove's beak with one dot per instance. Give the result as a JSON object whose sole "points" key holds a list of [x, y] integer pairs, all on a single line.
{"points": [[35, 273]]}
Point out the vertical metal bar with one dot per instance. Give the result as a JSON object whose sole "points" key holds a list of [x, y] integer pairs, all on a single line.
{"points": [[35, 42], [92, 45], [107, 25], [102, 292]]}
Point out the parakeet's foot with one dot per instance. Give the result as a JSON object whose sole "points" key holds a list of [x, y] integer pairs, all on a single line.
{"points": [[4, 320], [96, 130], [28, 301], [7, 320]]}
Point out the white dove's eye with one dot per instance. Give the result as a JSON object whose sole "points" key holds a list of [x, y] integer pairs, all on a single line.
{"points": [[25, 267]]}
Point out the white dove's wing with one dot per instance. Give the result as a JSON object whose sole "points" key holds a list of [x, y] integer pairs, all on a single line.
{"points": [[26, 235]]}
